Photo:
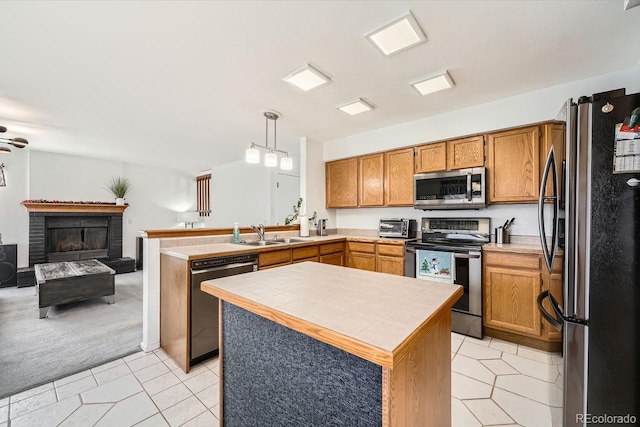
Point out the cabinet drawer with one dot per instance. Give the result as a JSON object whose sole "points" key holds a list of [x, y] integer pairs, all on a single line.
{"points": [[274, 257], [330, 248], [312, 259], [367, 248], [306, 252], [531, 262], [391, 250]]}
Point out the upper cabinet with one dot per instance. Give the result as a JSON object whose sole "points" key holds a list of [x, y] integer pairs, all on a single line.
{"points": [[398, 177], [341, 178], [431, 157], [371, 180], [383, 179], [449, 155], [513, 165], [465, 153], [516, 158]]}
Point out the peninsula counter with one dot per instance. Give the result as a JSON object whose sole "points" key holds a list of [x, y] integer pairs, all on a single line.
{"points": [[315, 344]]}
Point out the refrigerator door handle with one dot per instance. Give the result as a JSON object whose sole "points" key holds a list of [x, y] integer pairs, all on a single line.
{"points": [[556, 322], [549, 168]]}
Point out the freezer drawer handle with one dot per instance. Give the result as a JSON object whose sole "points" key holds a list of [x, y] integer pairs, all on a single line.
{"points": [[633, 182]]}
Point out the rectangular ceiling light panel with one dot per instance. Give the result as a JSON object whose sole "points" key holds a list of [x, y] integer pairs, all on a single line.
{"points": [[401, 34], [434, 84], [356, 107], [306, 78]]}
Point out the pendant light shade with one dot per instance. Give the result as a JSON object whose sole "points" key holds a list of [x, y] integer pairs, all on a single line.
{"points": [[16, 142], [252, 155], [286, 163], [271, 159]]}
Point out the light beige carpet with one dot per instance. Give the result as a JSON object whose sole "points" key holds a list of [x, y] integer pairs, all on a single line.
{"points": [[74, 337]]}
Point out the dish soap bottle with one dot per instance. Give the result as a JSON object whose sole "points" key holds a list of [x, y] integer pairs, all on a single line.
{"points": [[236, 233]]}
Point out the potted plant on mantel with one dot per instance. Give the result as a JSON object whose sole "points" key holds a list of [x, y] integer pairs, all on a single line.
{"points": [[119, 186]]}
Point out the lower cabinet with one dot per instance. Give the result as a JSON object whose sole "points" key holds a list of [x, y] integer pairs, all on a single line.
{"points": [[390, 259], [273, 259], [380, 257], [361, 255], [512, 283], [332, 253], [328, 253]]}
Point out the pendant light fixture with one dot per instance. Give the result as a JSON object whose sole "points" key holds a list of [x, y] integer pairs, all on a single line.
{"points": [[16, 142], [3, 181], [252, 154]]}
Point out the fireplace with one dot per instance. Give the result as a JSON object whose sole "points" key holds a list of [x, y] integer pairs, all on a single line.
{"points": [[71, 239], [72, 236]]}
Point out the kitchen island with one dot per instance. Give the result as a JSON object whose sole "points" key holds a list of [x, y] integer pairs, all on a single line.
{"points": [[314, 344]]}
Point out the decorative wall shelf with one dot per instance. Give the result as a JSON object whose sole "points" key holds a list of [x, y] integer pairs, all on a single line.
{"points": [[74, 207]]}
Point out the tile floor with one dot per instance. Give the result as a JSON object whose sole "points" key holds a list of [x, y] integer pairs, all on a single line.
{"points": [[493, 383]]}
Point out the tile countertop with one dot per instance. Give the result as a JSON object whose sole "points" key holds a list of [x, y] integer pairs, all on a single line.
{"points": [[520, 248], [375, 316], [220, 249]]}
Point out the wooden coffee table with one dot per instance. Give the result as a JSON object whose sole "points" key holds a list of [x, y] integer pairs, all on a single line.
{"points": [[71, 281]]}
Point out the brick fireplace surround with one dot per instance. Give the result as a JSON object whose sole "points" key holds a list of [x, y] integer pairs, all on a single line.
{"points": [[44, 216]]}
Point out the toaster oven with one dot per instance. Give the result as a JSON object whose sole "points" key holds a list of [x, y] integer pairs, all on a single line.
{"points": [[398, 227]]}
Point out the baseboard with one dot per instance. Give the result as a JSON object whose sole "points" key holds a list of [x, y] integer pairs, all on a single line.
{"points": [[149, 347]]}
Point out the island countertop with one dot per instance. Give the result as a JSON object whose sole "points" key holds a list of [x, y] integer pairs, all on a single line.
{"points": [[375, 316]]}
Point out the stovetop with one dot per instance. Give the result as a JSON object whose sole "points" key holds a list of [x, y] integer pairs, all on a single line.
{"points": [[454, 233]]}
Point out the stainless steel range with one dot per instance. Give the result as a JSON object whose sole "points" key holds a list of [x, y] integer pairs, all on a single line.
{"points": [[450, 251]]}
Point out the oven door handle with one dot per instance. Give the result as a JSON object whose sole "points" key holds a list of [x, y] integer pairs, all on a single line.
{"points": [[467, 256]]}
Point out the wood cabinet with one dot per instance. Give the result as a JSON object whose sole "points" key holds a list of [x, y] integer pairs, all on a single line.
{"points": [[449, 155], [516, 158], [390, 259], [398, 177], [274, 258], [305, 253], [512, 283], [341, 179], [332, 253], [465, 153], [380, 257], [361, 255], [371, 180], [431, 157]]}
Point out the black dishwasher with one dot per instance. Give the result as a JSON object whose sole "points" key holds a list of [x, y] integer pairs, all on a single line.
{"points": [[204, 307]]}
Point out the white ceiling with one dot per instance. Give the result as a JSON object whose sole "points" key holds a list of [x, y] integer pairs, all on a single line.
{"points": [[183, 84]]}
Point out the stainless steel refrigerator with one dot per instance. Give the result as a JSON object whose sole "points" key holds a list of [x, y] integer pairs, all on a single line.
{"points": [[600, 313]]}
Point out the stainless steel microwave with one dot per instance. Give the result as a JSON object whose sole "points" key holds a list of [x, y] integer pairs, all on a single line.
{"points": [[458, 189]]}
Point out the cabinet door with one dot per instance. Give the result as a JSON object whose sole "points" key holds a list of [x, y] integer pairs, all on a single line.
{"points": [[342, 183], [335, 259], [465, 153], [398, 177], [371, 180], [361, 261], [431, 157], [513, 165], [553, 135], [510, 300], [390, 264], [274, 258]]}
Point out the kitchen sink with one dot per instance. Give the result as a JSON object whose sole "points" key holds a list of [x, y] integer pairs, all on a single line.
{"points": [[261, 243], [288, 240]]}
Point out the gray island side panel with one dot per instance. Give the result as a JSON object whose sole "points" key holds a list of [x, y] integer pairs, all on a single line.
{"points": [[273, 375]]}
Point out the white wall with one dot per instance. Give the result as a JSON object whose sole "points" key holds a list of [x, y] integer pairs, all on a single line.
{"points": [[14, 221], [538, 106], [156, 197], [312, 182], [240, 192]]}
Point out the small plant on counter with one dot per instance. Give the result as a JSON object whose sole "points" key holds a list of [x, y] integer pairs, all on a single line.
{"points": [[296, 212]]}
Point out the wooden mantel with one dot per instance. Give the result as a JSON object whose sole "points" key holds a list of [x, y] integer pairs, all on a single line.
{"points": [[74, 207]]}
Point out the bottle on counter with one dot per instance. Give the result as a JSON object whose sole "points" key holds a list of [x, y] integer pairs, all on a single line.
{"points": [[236, 233]]}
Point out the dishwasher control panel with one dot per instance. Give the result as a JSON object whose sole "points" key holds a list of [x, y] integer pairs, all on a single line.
{"points": [[224, 260]]}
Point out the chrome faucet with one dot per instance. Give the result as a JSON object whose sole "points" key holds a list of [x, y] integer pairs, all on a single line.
{"points": [[260, 230]]}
